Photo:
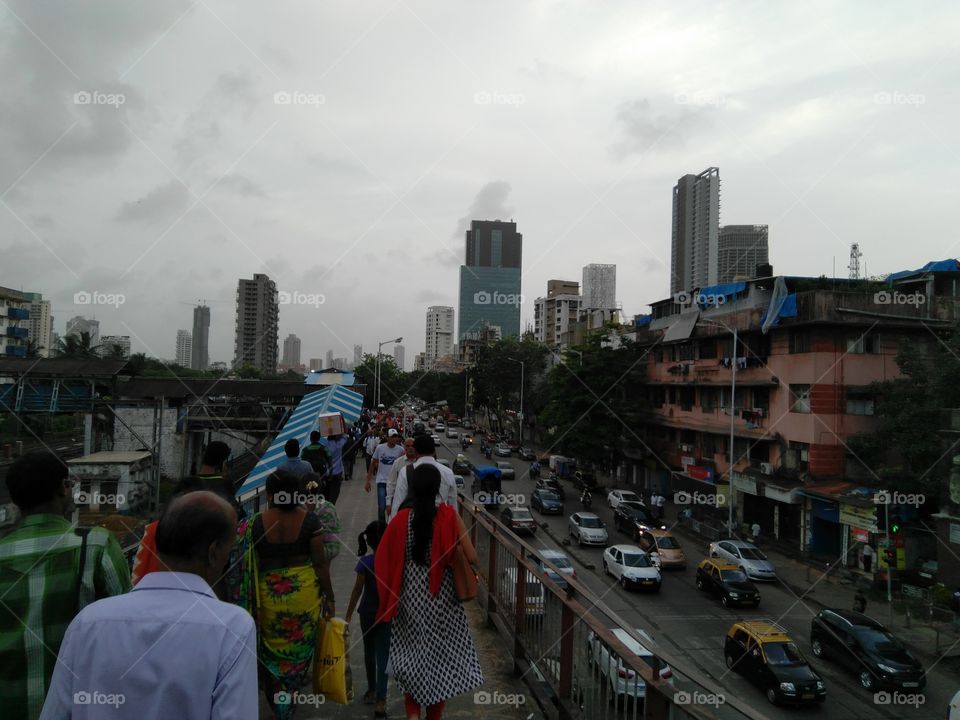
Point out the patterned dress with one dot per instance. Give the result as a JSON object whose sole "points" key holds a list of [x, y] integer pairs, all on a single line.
{"points": [[431, 649]]}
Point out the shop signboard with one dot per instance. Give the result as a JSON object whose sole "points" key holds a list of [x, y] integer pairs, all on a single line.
{"points": [[855, 516]]}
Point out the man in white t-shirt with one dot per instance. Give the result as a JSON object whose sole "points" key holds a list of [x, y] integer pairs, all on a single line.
{"points": [[426, 451], [396, 470], [380, 465]]}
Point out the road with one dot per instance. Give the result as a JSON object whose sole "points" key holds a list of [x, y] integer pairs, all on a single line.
{"points": [[690, 626]]}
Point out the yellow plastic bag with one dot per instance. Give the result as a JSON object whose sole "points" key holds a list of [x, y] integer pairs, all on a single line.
{"points": [[331, 662]]}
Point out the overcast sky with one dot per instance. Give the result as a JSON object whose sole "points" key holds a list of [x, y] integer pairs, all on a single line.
{"points": [[149, 153]]}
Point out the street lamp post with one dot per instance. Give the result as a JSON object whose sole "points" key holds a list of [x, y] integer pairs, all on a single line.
{"points": [[520, 416], [733, 407], [376, 394]]}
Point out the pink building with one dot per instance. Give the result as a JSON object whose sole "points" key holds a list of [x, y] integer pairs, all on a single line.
{"points": [[802, 390]]}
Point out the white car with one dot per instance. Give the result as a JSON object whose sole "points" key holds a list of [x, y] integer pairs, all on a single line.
{"points": [[618, 496], [746, 556], [953, 712], [439, 427], [588, 529], [435, 438], [452, 433], [535, 600], [624, 683], [632, 567]]}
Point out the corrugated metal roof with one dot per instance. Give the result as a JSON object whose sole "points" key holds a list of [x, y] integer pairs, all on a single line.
{"points": [[302, 421]]}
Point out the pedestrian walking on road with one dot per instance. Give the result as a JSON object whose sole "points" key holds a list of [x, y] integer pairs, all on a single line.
{"points": [[293, 465], [376, 636], [431, 650], [383, 458], [285, 586], [400, 466], [48, 573], [169, 649], [867, 558], [755, 533], [336, 445]]}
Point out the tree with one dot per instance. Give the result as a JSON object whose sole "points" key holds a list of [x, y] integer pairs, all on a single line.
{"points": [[77, 346], [392, 385], [248, 371], [595, 401], [905, 448]]}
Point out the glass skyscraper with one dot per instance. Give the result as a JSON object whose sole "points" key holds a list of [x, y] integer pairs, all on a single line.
{"points": [[490, 279]]}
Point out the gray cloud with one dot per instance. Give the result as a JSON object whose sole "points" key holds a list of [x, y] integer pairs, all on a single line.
{"points": [[646, 129], [163, 203], [242, 185]]}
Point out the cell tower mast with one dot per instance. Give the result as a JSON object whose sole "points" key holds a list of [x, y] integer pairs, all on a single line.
{"points": [[855, 256]]}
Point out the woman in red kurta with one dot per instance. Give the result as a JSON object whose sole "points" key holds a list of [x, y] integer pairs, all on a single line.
{"points": [[431, 650]]}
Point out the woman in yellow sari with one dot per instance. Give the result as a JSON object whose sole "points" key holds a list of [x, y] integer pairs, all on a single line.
{"points": [[285, 586]]}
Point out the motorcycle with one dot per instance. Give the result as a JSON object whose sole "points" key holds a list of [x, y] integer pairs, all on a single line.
{"points": [[488, 453], [464, 443], [534, 471], [586, 498]]}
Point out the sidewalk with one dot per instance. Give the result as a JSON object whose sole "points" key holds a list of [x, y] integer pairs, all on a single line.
{"points": [[499, 697]]}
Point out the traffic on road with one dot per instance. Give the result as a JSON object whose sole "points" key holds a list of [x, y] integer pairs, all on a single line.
{"points": [[716, 611]]}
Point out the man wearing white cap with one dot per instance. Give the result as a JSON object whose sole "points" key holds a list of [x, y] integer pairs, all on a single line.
{"points": [[381, 464]]}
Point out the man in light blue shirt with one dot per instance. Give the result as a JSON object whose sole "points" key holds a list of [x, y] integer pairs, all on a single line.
{"points": [[168, 649], [293, 464]]}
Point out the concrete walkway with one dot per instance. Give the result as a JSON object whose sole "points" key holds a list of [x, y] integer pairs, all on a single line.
{"points": [[500, 696]]}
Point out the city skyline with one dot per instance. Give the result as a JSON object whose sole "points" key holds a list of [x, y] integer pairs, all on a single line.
{"points": [[589, 140]]}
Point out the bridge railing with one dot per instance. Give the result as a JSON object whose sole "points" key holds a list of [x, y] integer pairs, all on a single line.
{"points": [[562, 641]]}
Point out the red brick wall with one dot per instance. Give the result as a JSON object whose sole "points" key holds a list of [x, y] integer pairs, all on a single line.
{"points": [[826, 460], [825, 399]]}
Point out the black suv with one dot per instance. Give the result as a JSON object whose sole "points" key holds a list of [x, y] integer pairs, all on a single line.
{"points": [[728, 581], [864, 646], [632, 517]]}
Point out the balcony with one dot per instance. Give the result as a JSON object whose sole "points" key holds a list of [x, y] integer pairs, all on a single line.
{"points": [[17, 332], [16, 351], [15, 313]]}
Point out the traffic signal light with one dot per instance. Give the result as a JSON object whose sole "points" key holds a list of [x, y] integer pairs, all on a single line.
{"points": [[894, 527]]}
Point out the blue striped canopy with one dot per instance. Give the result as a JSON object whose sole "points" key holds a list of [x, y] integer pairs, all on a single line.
{"points": [[302, 421]]}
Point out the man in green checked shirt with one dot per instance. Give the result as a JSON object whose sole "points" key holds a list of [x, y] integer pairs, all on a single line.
{"points": [[40, 585]]}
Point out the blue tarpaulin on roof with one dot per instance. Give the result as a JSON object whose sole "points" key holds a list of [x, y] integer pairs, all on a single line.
{"points": [[933, 266], [641, 320], [302, 421], [787, 310], [709, 296]]}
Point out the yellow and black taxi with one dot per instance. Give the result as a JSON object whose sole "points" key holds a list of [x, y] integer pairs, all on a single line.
{"points": [[764, 653], [728, 582]]}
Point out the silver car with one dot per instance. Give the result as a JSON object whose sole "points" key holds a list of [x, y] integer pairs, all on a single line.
{"points": [[746, 556], [587, 529]]}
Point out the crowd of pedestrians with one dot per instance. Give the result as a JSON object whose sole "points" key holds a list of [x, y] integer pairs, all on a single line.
{"points": [[221, 602]]}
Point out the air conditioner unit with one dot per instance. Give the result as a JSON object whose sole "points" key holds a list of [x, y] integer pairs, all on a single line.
{"points": [[686, 448], [766, 468]]}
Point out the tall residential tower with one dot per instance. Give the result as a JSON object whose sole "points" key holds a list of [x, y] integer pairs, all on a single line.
{"points": [[695, 237], [257, 327]]}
